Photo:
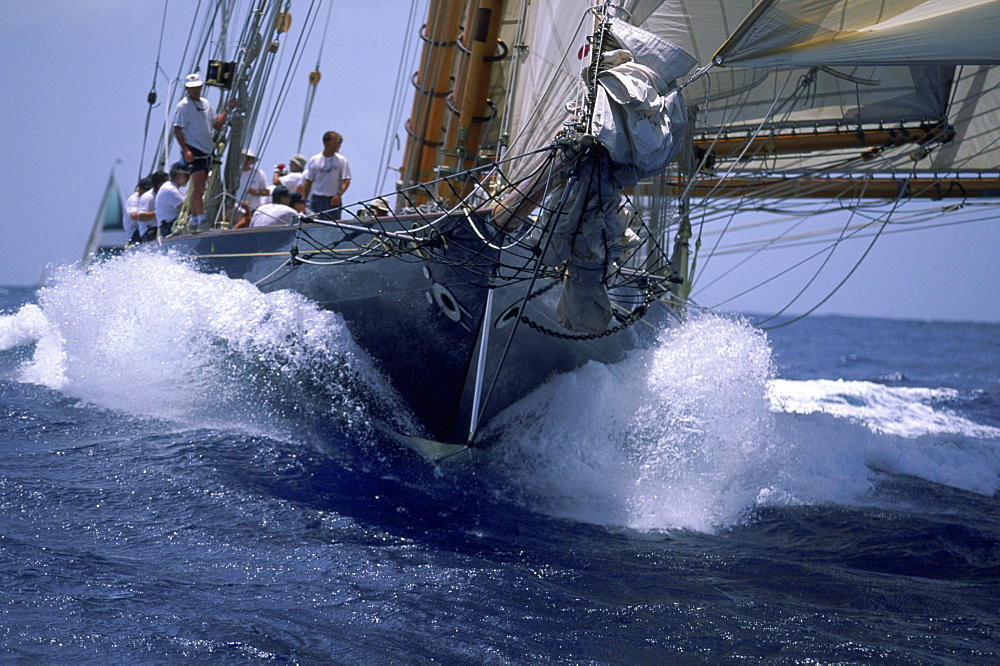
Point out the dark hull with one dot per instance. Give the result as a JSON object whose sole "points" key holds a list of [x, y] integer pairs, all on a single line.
{"points": [[420, 315]]}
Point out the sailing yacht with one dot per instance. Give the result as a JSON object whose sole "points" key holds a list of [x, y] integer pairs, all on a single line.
{"points": [[572, 167]]}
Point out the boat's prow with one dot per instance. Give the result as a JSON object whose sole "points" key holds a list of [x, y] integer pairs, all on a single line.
{"points": [[439, 452], [432, 451]]}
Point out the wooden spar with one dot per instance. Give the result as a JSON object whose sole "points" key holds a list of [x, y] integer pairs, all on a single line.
{"points": [[732, 147], [433, 85], [845, 187], [469, 102]]}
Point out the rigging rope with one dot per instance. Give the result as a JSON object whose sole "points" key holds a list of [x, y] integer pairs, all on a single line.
{"points": [[151, 96], [836, 288], [314, 78]]}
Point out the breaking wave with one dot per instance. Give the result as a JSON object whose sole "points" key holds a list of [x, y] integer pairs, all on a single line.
{"points": [[697, 433], [694, 433], [148, 335]]}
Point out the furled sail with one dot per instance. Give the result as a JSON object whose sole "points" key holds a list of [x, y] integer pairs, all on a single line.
{"points": [[639, 113], [638, 119]]}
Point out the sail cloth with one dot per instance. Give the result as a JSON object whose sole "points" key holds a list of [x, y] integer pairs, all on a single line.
{"points": [[781, 33], [639, 119], [808, 92], [742, 97], [639, 114]]}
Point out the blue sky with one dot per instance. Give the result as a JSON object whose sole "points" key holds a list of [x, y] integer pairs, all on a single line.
{"points": [[76, 74]]}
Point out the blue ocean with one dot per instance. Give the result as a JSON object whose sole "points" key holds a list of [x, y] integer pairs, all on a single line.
{"points": [[191, 473]]}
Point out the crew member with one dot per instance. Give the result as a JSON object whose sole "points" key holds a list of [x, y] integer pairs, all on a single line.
{"points": [[326, 177]]}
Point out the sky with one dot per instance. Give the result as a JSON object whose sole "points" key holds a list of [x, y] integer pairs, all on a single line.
{"points": [[77, 72]]}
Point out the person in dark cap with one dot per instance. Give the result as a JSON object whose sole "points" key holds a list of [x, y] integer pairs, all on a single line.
{"points": [[277, 212], [298, 202]]}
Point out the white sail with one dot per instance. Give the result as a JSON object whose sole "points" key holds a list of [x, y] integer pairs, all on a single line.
{"points": [[107, 236], [807, 65], [975, 110], [781, 33], [551, 58]]}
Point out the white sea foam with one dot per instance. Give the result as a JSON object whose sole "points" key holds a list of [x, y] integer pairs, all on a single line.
{"points": [[903, 430], [148, 335], [692, 434], [30, 325], [696, 432], [678, 436], [905, 411]]}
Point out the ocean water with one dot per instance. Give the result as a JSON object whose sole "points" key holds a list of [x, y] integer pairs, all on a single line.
{"points": [[189, 474]]}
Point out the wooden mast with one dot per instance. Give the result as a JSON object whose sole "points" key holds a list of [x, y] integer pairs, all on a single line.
{"points": [[433, 85], [469, 102]]}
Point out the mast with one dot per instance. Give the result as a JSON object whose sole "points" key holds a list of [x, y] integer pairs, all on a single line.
{"points": [[266, 22], [433, 84], [469, 101]]}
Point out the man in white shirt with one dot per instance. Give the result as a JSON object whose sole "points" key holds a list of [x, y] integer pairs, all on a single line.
{"points": [[147, 207], [277, 212], [326, 177], [130, 216], [194, 124], [170, 198], [253, 183]]}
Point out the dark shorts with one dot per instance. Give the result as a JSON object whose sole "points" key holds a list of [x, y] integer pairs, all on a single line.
{"points": [[320, 204], [201, 161]]}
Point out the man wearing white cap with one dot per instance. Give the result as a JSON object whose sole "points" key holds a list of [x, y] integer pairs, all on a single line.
{"points": [[194, 124], [252, 189]]}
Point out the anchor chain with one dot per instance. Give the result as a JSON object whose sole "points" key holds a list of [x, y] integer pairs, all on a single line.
{"points": [[632, 318]]}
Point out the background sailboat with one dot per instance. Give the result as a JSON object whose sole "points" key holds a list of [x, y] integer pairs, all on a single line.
{"points": [[107, 236]]}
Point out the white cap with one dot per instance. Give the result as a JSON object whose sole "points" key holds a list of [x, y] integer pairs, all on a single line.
{"points": [[193, 81]]}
